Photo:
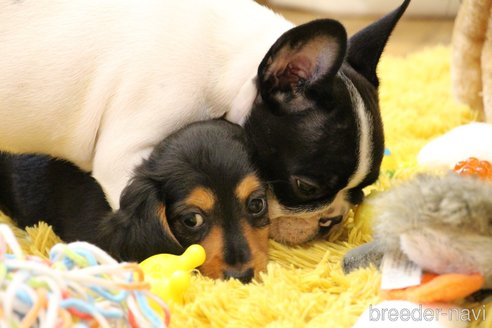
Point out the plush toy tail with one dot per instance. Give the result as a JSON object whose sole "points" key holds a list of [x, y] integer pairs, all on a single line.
{"points": [[438, 288]]}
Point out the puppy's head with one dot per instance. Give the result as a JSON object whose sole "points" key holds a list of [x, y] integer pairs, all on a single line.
{"points": [[197, 187], [315, 124]]}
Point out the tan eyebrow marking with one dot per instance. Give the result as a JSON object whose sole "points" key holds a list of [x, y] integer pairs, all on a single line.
{"points": [[248, 185], [161, 213], [202, 198], [257, 239]]}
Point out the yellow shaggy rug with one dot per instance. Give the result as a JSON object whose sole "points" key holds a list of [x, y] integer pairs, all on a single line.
{"points": [[305, 286]]}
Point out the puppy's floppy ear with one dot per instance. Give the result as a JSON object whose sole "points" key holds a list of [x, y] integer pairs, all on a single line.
{"points": [[139, 228], [366, 46], [302, 62]]}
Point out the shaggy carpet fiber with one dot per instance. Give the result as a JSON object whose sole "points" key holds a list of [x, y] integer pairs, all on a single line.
{"points": [[305, 286]]}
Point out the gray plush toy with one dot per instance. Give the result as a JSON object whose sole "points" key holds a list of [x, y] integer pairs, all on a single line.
{"points": [[442, 223]]}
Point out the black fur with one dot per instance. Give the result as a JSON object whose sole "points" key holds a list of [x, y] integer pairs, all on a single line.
{"points": [[36, 187], [303, 122]]}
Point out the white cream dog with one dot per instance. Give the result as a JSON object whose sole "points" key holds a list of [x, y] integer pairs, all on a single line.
{"points": [[101, 82], [87, 81]]}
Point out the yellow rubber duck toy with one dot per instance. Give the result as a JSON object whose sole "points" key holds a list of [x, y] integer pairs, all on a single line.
{"points": [[170, 275]]}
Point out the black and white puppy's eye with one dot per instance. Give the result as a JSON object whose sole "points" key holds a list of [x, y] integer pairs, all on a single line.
{"points": [[305, 187], [257, 206], [193, 220]]}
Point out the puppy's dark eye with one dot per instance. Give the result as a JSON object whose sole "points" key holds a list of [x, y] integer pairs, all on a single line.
{"points": [[257, 206], [193, 220], [305, 188]]}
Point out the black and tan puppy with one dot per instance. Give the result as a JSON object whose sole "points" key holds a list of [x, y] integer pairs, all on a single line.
{"points": [[198, 186]]}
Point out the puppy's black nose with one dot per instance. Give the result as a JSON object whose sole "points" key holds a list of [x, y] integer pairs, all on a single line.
{"points": [[244, 276]]}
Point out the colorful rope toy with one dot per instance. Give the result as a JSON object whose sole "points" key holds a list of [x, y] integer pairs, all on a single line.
{"points": [[79, 286]]}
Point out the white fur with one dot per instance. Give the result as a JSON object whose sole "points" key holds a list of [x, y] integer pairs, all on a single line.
{"points": [[364, 124], [100, 82]]}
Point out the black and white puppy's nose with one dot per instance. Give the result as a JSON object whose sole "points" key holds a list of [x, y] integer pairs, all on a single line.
{"points": [[244, 276], [325, 224]]}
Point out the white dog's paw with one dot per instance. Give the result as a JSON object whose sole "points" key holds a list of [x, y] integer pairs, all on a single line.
{"points": [[471, 140]]}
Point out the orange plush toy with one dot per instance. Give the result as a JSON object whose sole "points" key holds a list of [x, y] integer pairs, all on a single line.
{"points": [[452, 286], [443, 225], [436, 288]]}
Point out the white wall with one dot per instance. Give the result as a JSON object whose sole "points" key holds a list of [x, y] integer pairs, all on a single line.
{"points": [[443, 8]]}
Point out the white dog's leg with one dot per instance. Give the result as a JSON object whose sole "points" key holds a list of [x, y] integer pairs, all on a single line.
{"points": [[114, 174], [130, 130], [121, 146]]}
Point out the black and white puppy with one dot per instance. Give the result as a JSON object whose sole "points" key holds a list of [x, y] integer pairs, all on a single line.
{"points": [[197, 187], [316, 124], [100, 83]]}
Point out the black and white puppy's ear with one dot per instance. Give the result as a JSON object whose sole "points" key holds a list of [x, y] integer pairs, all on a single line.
{"points": [[366, 46], [301, 64], [139, 228]]}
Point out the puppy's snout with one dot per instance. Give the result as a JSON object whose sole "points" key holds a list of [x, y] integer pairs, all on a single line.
{"points": [[243, 276], [325, 224], [328, 222]]}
